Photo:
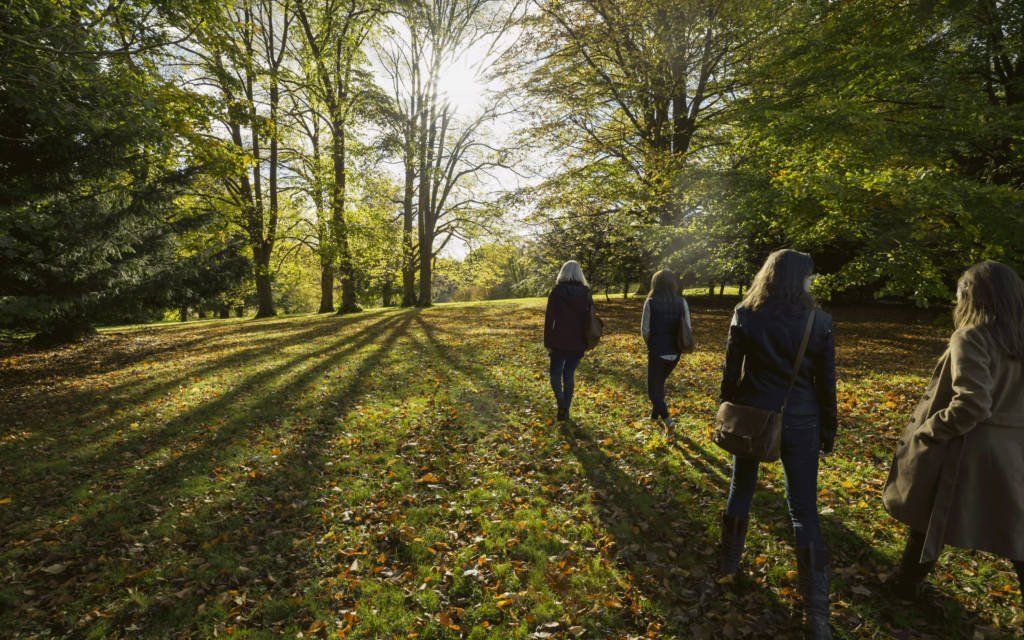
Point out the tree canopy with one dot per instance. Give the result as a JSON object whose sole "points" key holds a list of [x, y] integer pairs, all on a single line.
{"points": [[175, 158]]}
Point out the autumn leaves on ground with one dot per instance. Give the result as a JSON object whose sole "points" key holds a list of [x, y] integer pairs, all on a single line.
{"points": [[397, 474]]}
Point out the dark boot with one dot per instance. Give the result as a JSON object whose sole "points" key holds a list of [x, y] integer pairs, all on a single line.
{"points": [[563, 414], [730, 548], [814, 574], [911, 572]]}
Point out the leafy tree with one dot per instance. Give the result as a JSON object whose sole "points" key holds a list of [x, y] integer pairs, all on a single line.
{"points": [[885, 138], [94, 150]]}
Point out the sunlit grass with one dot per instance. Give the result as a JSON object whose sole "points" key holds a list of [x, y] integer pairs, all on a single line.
{"points": [[397, 473]]}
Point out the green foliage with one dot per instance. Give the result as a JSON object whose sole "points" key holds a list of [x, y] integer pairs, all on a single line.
{"points": [[93, 153], [885, 138]]}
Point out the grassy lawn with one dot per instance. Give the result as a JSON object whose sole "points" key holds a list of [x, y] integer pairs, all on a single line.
{"points": [[398, 474]]}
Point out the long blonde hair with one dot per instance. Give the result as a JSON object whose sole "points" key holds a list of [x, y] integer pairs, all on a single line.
{"points": [[571, 271]]}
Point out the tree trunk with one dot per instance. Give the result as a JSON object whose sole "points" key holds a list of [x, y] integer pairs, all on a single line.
{"points": [[224, 313], [625, 288], [645, 284], [201, 313], [721, 289], [386, 292], [408, 239], [348, 297], [426, 293], [711, 289], [239, 311], [264, 294], [183, 313], [326, 287], [741, 290]]}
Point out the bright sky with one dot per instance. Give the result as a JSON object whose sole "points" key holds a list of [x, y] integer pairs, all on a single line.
{"points": [[464, 82]]}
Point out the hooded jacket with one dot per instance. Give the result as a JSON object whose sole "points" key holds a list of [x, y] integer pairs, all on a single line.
{"points": [[565, 319]]}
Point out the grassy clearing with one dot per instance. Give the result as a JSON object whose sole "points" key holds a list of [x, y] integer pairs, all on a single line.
{"points": [[397, 474]]}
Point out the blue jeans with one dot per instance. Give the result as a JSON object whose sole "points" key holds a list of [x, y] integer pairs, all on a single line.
{"points": [[800, 445], [657, 373], [563, 368]]}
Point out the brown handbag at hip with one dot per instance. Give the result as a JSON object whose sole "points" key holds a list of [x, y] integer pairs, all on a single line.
{"points": [[684, 334], [752, 432], [594, 328]]}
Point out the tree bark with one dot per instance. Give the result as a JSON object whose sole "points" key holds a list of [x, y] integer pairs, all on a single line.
{"points": [[426, 294], [183, 314], [264, 293], [326, 287], [224, 313], [386, 292]]}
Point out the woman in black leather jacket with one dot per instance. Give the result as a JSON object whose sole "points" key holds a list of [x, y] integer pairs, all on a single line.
{"points": [[764, 338]]}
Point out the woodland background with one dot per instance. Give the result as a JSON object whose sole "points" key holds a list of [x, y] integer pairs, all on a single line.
{"points": [[171, 159]]}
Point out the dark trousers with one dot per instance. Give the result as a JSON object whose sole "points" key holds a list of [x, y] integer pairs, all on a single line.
{"points": [[918, 570], [800, 445], [562, 372], [657, 373]]}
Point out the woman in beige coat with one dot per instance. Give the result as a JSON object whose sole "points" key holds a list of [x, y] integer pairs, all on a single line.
{"points": [[957, 476]]}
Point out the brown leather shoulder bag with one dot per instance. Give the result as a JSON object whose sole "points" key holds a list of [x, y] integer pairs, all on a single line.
{"points": [[752, 432]]}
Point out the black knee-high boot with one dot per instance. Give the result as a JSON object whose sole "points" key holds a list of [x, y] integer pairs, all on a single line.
{"points": [[911, 572], [815, 572], [730, 547]]}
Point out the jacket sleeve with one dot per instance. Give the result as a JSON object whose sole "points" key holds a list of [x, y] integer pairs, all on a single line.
{"points": [[825, 388], [548, 318], [733, 361], [645, 320], [972, 389]]}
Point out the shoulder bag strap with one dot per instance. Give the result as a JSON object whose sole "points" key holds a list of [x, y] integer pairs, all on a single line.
{"points": [[799, 357]]}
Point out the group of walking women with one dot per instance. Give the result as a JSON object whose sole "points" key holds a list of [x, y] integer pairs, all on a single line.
{"points": [[957, 475]]}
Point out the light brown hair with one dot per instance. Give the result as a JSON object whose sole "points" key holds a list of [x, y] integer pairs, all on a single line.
{"points": [[991, 295], [664, 285], [780, 282]]}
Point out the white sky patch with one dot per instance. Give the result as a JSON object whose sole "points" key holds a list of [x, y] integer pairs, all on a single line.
{"points": [[466, 82]]}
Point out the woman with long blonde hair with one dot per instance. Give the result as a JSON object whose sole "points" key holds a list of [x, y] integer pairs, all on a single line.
{"points": [[565, 319]]}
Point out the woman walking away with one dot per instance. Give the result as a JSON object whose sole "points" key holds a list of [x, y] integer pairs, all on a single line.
{"points": [[569, 306], [957, 476], [664, 309], [767, 331]]}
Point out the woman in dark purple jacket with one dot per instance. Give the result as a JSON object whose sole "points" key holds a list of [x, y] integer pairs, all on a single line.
{"points": [[565, 319]]}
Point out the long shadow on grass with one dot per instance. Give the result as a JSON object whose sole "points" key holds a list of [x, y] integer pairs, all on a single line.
{"points": [[51, 409], [659, 539], [147, 499], [269, 523], [137, 445], [849, 548]]}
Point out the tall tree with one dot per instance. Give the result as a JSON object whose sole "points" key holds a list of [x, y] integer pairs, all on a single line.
{"points": [[335, 32], [630, 89], [241, 54], [442, 150], [91, 172]]}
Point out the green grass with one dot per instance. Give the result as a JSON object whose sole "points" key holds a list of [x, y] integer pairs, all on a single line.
{"points": [[397, 474]]}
